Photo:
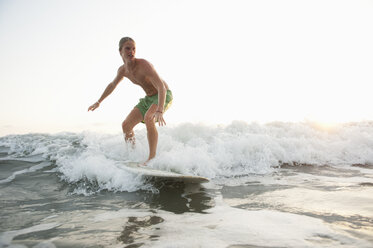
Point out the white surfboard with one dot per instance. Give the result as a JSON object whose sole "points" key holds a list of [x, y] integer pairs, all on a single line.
{"points": [[137, 168]]}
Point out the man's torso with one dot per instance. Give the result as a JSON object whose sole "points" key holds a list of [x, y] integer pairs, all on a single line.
{"points": [[138, 76]]}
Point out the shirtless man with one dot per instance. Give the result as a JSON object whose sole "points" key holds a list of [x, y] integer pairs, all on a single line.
{"points": [[148, 111]]}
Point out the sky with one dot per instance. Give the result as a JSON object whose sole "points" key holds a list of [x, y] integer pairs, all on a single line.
{"points": [[253, 61]]}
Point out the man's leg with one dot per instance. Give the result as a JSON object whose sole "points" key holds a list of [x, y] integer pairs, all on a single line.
{"points": [[152, 131], [134, 118]]}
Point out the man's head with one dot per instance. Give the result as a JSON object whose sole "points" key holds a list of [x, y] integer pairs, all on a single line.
{"points": [[127, 49], [124, 40]]}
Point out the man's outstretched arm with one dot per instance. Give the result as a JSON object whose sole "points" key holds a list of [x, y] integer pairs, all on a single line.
{"points": [[109, 89]]}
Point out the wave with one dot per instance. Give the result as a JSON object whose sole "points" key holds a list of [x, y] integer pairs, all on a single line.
{"points": [[28, 170], [211, 151]]}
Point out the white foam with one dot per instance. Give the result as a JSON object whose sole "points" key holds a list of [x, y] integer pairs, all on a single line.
{"points": [[242, 148], [217, 152]]}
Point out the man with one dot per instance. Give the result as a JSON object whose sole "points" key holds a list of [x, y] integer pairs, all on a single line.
{"points": [[151, 108]]}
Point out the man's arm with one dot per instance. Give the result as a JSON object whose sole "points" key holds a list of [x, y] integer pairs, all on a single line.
{"points": [[109, 89], [154, 78]]}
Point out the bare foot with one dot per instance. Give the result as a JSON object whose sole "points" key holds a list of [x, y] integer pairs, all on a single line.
{"points": [[143, 164], [146, 162]]}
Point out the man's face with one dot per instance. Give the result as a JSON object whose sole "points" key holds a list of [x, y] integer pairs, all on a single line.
{"points": [[128, 51]]}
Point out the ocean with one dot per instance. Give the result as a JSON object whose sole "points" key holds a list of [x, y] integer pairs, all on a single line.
{"points": [[271, 185]]}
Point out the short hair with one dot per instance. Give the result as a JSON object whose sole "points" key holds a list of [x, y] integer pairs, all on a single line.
{"points": [[124, 40]]}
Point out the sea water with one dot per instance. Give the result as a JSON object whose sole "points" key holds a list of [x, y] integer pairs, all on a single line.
{"points": [[271, 185]]}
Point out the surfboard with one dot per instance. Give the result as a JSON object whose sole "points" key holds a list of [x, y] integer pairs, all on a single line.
{"points": [[145, 171]]}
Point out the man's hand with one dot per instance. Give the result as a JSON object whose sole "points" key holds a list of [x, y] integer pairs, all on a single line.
{"points": [[158, 116], [94, 106]]}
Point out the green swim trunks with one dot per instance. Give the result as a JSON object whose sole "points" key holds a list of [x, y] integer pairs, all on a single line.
{"points": [[145, 103]]}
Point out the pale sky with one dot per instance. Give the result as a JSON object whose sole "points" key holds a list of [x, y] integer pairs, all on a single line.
{"points": [[224, 60]]}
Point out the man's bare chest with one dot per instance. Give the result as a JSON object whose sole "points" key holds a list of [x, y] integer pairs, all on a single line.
{"points": [[140, 79], [136, 77]]}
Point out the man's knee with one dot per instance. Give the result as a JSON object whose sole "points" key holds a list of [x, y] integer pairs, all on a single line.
{"points": [[126, 127], [149, 119]]}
